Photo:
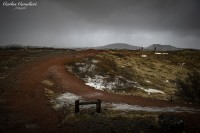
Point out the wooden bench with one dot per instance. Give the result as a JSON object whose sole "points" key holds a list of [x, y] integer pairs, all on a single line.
{"points": [[98, 105]]}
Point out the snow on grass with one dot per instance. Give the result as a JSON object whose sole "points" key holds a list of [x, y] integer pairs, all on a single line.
{"points": [[94, 61], [153, 91], [65, 100], [89, 66], [147, 81], [182, 64], [149, 90], [85, 67], [164, 53], [161, 53], [68, 100], [106, 82], [157, 53], [127, 107], [97, 82], [101, 83]]}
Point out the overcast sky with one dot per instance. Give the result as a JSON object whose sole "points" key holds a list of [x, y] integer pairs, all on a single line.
{"points": [[75, 23]]}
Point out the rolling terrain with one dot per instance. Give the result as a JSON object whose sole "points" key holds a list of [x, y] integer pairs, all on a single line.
{"points": [[34, 82]]}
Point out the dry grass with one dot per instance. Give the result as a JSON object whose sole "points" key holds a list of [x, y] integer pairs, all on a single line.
{"points": [[160, 70], [112, 121], [153, 71]]}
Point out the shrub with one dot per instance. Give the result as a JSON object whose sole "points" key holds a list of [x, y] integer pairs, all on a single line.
{"points": [[106, 67], [189, 88]]}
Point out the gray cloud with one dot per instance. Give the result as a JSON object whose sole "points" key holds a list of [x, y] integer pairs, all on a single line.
{"points": [[100, 22]]}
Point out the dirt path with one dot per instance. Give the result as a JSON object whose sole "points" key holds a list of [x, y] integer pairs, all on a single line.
{"points": [[28, 105]]}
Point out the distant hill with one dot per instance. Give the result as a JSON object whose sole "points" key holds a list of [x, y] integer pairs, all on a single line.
{"points": [[160, 47], [11, 46], [118, 46]]}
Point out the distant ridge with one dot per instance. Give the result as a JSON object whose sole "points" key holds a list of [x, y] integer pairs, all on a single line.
{"points": [[118, 46], [114, 46], [159, 47], [11, 46]]}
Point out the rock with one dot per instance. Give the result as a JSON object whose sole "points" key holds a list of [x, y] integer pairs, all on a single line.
{"points": [[49, 93], [170, 123], [47, 82]]}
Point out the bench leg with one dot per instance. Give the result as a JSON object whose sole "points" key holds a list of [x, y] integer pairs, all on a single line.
{"points": [[98, 106], [76, 106]]}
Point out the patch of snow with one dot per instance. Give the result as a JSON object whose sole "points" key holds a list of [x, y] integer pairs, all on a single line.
{"points": [[143, 55], [78, 63], [69, 69], [68, 100], [101, 83], [165, 53], [95, 61], [65, 100], [127, 107], [147, 81], [96, 82], [149, 90], [167, 81], [83, 67], [183, 64], [157, 53], [161, 53], [153, 91]]}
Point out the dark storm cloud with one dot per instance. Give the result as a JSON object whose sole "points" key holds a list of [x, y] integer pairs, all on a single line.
{"points": [[99, 22], [150, 14]]}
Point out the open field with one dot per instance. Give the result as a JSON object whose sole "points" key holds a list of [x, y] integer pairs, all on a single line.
{"points": [[39, 87]]}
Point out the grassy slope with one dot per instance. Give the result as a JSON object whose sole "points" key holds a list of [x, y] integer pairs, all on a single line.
{"points": [[160, 70], [154, 71]]}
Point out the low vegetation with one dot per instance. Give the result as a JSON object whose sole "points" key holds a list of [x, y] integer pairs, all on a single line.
{"points": [[112, 122], [189, 88], [138, 69], [104, 72]]}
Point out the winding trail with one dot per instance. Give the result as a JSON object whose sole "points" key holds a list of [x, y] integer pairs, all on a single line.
{"points": [[29, 103]]}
